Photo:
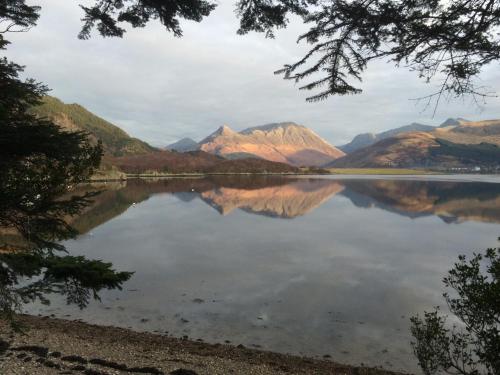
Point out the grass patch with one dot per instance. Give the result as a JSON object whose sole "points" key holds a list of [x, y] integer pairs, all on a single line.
{"points": [[379, 171]]}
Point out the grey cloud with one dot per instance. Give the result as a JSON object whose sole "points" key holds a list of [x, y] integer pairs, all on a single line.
{"points": [[160, 88]]}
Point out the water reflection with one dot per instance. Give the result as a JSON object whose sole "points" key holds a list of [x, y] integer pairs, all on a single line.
{"points": [[453, 202], [289, 200], [283, 197], [29, 277], [33, 263], [301, 265]]}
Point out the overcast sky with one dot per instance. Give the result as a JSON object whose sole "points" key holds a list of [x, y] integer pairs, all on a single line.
{"points": [[160, 88]]}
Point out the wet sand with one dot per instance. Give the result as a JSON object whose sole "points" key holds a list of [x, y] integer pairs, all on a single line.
{"points": [[56, 346]]}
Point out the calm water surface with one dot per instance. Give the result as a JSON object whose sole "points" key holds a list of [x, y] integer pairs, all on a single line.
{"points": [[310, 266]]}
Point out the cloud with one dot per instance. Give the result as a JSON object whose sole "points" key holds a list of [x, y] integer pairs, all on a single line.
{"points": [[161, 88]]}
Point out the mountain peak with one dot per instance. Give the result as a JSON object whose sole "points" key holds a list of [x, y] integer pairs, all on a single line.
{"points": [[285, 142], [224, 130], [184, 145], [453, 122], [272, 126]]}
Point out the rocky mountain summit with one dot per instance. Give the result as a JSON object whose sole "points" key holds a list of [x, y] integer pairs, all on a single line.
{"points": [[285, 142]]}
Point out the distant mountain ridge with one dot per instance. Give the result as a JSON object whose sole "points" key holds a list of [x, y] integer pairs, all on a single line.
{"points": [[466, 144], [184, 145], [74, 117], [454, 122], [281, 147], [285, 142], [367, 139]]}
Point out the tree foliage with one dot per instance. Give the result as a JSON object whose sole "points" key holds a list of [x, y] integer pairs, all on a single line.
{"points": [[76, 278], [115, 141], [196, 162], [107, 15], [16, 15], [438, 39], [39, 165], [473, 346], [451, 41]]}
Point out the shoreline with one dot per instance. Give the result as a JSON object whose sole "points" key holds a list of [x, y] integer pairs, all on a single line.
{"points": [[54, 346], [361, 172], [333, 172], [461, 177]]}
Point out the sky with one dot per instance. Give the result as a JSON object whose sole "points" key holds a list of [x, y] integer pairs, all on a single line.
{"points": [[161, 88]]}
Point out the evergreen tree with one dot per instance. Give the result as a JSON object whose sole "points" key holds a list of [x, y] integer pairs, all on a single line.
{"points": [[39, 166]]}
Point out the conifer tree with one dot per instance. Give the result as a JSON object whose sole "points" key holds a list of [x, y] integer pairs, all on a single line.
{"points": [[39, 165]]}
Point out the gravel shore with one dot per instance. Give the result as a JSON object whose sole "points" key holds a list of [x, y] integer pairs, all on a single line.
{"points": [[55, 346]]}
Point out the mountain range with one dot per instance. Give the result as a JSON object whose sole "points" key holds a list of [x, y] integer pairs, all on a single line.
{"points": [[455, 143], [367, 139], [285, 142], [131, 155], [282, 147]]}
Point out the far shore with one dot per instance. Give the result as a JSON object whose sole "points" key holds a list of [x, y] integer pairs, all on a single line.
{"points": [[384, 171], [55, 346], [331, 171]]}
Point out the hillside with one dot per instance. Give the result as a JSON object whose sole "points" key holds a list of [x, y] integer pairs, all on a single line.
{"points": [[407, 149], [367, 139], [195, 162], [281, 142], [419, 149], [471, 132], [74, 117]]}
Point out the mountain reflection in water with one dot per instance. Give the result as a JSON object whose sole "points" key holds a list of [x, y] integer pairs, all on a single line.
{"points": [[306, 265], [287, 198]]}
